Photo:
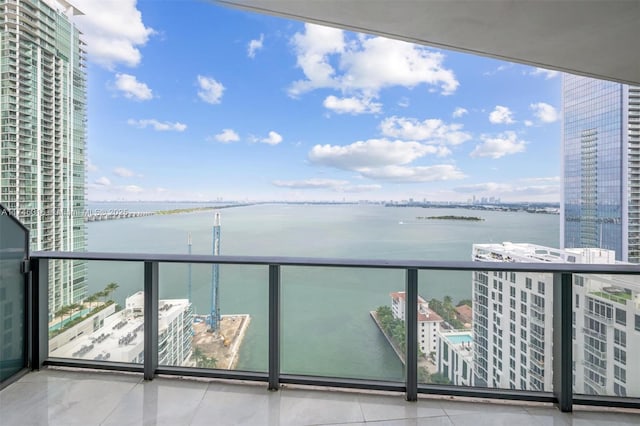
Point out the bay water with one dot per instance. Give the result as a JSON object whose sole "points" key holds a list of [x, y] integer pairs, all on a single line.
{"points": [[326, 326]]}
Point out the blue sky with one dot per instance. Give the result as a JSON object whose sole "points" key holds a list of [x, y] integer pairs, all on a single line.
{"points": [[192, 101]]}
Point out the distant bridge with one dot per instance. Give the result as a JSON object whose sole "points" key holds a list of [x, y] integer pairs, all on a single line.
{"points": [[113, 215]]}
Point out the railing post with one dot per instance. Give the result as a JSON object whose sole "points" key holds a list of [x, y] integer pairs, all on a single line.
{"points": [[411, 333], [38, 311], [151, 271], [274, 327], [563, 340]]}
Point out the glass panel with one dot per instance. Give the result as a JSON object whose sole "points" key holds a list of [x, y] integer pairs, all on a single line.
{"points": [[12, 296], [186, 335], [606, 335], [328, 322], [103, 320], [486, 329]]}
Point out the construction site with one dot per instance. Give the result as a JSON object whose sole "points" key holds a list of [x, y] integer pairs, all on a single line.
{"points": [[219, 349], [216, 338]]}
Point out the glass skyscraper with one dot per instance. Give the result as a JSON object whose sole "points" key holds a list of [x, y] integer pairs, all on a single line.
{"points": [[601, 166], [43, 134]]}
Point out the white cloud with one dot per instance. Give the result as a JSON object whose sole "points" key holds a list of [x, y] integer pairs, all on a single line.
{"points": [[545, 112], [370, 153], [417, 174], [518, 190], [365, 64], [459, 112], [539, 180], [103, 181], [254, 46], [432, 131], [310, 183], [134, 189], [501, 115], [495, 147], [210, 90], [500, 68], [312, 50], [91, 167], [122, 172], [352, 105], [330, 184], [158, 125], [548, 74], [359, 188], [404, 102], [528, 123], [227, 136], [273, 139], [132, 88], [113, 31]]}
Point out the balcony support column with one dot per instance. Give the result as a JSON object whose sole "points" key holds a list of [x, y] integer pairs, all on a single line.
{"points": [[411, 333], [274, 327], [38, 311], [151, 272], [563, 341]]}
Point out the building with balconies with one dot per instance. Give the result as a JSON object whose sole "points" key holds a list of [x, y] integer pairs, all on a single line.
{"points": [[43, 134]]}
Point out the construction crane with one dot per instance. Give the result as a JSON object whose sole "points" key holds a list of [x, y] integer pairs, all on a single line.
{"points": [[215, 278]]}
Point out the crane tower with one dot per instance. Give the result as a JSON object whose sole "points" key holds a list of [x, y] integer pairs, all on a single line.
{"points": [[215, 277]]}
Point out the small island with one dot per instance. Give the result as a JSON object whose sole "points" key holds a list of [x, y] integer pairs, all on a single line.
{"points": [[450, 217]]}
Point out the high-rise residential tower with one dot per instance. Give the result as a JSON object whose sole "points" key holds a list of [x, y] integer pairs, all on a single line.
{"points": [[601, 166], [43, 133]]}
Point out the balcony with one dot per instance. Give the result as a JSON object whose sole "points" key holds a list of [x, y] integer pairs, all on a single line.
{"points": [[54, 396], [148, 382]]}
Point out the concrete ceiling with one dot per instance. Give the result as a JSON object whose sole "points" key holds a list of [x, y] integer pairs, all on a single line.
{"points": [[597, 38]]}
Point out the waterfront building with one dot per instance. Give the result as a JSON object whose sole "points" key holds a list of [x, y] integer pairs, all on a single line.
{"points": [[600, 204], [120, 338], [428, 321], [607, 334], [606, 320], [454, 356], [43, 134], [512, 319]]}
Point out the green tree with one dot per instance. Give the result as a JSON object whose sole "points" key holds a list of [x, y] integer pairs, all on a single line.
{"points": [[440, 379], [423, 375], [467, 302]]}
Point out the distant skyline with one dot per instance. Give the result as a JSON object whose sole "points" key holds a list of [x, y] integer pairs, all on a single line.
{"points": [[192, 101]]}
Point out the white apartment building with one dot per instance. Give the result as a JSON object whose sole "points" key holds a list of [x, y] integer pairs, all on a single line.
{"points": [[120, 337], [513, 323], [606, 335], [428, 321], [454, 357]]}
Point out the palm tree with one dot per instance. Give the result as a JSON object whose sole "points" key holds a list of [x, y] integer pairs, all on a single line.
{"points": [[91, 299], [64, 310], [110, 288]]}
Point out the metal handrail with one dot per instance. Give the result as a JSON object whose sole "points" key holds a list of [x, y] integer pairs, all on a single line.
{"points": [[452, 265], [561, 329]]}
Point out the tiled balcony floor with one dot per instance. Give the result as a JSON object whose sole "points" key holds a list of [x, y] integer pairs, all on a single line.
{"points": [[63, 397]]}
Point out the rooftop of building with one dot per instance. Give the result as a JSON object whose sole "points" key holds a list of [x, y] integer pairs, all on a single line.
{"points": [[120, 338], [400, 295], [525, 252], [461, 341], [465, 313]]}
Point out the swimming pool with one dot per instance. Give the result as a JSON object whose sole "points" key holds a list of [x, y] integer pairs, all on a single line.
{"points": [[61, 324], [459, 338]]}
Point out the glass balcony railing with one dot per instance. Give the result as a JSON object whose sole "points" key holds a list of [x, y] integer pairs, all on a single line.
{"points": [[369, 324]]}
